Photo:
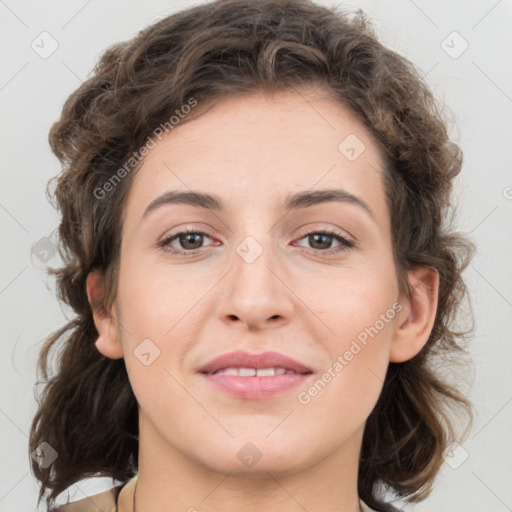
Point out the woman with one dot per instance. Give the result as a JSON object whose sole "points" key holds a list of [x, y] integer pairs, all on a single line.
{"points": [[254, 229]]}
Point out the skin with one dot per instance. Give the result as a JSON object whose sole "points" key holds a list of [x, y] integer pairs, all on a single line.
{"points": [[252, 151]]}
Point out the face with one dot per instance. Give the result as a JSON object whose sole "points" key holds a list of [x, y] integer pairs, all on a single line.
{"points": [[295, 260]]}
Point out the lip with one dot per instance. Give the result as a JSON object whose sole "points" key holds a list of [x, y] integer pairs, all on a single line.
{"points": [[255, 388], [241, 359]]}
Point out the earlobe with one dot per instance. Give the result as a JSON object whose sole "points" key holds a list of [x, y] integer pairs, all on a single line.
{"points": [[108, 342], [417, 316]]}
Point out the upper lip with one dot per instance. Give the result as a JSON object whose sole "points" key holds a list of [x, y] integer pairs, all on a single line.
{"points": [[240, 359]]}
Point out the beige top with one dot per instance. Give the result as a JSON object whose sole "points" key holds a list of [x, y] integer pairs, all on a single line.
{"points": [[120, 499]]}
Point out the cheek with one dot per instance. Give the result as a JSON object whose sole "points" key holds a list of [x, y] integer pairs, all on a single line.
{"points": [[151, 299], [162, 312], [361, 318], [346, 392], [358, 305]]}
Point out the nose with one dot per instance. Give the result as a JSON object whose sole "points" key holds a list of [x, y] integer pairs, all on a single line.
{"points": [[257, 295]]}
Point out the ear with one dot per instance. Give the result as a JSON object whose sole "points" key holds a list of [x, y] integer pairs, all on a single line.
{"points": [[109, 341], [417, 317]]}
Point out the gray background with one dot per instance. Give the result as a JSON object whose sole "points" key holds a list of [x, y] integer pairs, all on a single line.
{"points": [[477, 88]]}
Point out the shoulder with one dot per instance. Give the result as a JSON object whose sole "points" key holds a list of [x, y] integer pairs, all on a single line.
{"points": [[102, 502]]}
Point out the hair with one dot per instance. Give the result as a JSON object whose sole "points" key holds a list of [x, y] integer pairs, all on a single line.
{"points": [[87, 410]]}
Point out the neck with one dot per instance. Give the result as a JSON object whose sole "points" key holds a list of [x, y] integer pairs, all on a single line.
{"points": [[166, 476]]}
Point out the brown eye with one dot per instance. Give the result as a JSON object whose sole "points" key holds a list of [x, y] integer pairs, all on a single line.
{"points": [[190, 240], [184, 242], [322, 241]]}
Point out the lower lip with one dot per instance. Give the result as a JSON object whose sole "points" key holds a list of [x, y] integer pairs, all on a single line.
{"points": [[255, 388]]}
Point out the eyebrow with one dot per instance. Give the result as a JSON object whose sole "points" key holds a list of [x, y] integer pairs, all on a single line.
{"points": [[295, 201]]}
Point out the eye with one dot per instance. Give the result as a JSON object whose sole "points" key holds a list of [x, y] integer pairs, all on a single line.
{"points": [[188, 242], [323, 240]]}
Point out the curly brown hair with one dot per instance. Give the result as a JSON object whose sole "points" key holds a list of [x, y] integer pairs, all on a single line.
{"points": [[87, 410]]}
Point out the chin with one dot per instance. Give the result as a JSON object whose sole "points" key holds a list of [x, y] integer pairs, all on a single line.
{"points": [[255, 456]]}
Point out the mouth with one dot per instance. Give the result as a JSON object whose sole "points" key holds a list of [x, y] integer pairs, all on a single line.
{"points": [[255, 376], [255, 372]]}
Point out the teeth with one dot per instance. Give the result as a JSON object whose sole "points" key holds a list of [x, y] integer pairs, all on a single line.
{"points": [[265, 372], [246, 372], [253, 372]]}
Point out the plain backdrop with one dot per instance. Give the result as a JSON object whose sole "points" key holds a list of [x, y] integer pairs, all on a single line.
{"points": [[462, 48]]}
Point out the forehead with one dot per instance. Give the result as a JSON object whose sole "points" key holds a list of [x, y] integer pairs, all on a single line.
{"points": [[261, 146]]}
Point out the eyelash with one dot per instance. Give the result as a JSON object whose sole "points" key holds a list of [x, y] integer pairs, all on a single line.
{"points": [[345, 243]]}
